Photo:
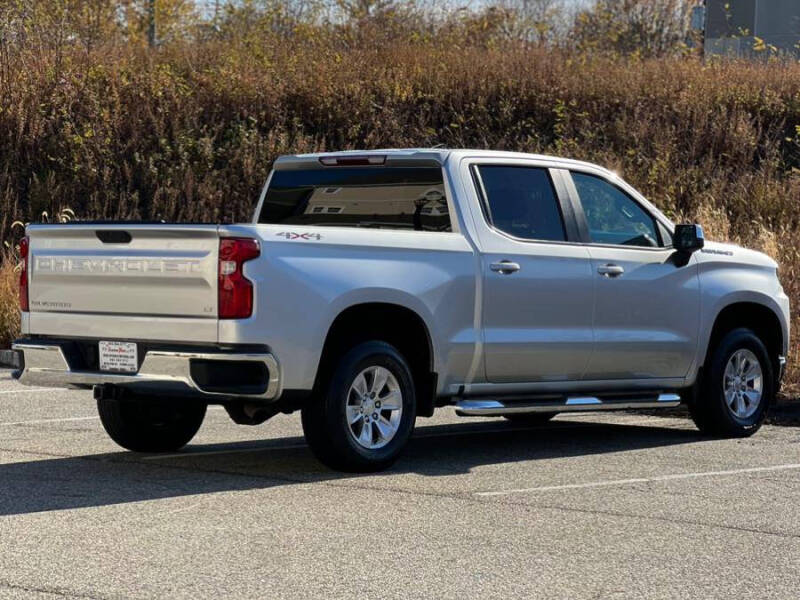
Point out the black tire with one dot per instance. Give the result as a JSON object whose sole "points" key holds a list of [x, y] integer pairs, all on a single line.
{"points": [[531, 418], [325, 422], [708, 407], [151, 425]]}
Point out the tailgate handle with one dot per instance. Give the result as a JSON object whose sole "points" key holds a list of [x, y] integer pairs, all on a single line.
{"points": [[113, 236]]}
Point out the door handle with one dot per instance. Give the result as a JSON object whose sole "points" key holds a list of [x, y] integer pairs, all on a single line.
{"points": [[506, 267], [610, 270]]}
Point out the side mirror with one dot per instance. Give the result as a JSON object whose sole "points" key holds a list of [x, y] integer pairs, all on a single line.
{"points": [[688, 238]]}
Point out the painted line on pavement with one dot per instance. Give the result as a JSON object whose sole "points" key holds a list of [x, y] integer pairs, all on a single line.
{"points": [[22, 391], [231, 451], [36, 421], [67, 419], [614, 482]]}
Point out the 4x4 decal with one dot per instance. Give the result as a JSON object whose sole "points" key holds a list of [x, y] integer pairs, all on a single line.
{"points": [[291, 235]]}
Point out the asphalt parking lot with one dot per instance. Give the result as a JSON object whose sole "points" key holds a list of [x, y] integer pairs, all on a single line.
{"points": [[590, 506]]}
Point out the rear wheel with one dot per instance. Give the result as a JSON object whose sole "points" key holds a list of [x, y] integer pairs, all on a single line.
{"points": [[738, 387], [531, 418], [151, 425], [365, 414]]}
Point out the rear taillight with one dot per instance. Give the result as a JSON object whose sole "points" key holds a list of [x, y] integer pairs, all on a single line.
{"points": [[235, 290], [23, 274]]}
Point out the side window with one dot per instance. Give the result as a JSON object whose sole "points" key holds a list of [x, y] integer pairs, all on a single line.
{"points": [[613, 216], [521, 202], [666, 236]]}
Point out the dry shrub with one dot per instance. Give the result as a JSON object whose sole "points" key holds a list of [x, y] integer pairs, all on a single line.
{"points": [[9, 311], [188, 132], [716, 224], [784, 246]]}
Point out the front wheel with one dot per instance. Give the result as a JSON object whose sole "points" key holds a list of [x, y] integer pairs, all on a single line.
{"points": [[365, 415], [737, 389], [150, 424]]}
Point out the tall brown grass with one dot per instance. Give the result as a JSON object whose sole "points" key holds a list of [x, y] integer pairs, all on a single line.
{"points": [[9, 311], [188, 132]]}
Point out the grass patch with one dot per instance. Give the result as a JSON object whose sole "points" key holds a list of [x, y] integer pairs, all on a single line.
{"points": [[9, 304], [189, 131]]}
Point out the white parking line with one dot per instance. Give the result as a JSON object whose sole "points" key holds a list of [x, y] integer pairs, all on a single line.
{"points": [[49, 421], [23, 390], [613, 482], [231, 451], [67, 419]]}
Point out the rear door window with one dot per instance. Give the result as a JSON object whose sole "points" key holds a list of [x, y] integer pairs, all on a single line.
{"points": [[409, 198], [522, 202]]}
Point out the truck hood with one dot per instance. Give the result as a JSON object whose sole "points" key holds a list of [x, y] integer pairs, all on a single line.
{"points": [[716, 251]]}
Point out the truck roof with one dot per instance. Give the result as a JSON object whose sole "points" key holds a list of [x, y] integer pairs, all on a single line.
{"points": [[417, 157]]}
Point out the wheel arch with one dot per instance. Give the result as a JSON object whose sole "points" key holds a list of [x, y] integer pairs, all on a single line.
{"points": [[763, 319], [401, 326]]}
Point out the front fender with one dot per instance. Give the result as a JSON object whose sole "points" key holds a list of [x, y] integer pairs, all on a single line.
{"points": [[726, 283]]}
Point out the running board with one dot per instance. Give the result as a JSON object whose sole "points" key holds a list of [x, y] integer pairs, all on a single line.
{"points": [[494, 407]]}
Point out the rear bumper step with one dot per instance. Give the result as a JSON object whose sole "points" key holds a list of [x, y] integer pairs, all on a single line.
{"points": [[499, 407], [10, 359], [161, 371]]}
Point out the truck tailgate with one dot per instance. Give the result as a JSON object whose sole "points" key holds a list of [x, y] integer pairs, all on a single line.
{"points": [[156, 282]]}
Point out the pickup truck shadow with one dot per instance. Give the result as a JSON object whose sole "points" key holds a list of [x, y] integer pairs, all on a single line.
{"points": [[436, 450]]}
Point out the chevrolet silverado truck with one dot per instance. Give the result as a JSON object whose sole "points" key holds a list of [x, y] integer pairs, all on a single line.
{"points": [[373, 287]]}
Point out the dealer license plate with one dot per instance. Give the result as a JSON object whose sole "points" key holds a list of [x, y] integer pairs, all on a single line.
{"points": [[118, 357]]}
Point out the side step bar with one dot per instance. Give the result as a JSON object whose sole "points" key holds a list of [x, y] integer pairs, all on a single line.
{"points": [[495, 407]]}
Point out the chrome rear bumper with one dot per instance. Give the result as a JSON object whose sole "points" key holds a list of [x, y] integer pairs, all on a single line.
{"points": [[161, 371]]}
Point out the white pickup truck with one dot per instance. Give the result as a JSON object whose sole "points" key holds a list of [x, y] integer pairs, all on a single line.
{"points": [[373, 287]]}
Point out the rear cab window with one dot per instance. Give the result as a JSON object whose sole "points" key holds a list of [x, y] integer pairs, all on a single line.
{"points": [[404, 198], [521, 202]]}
